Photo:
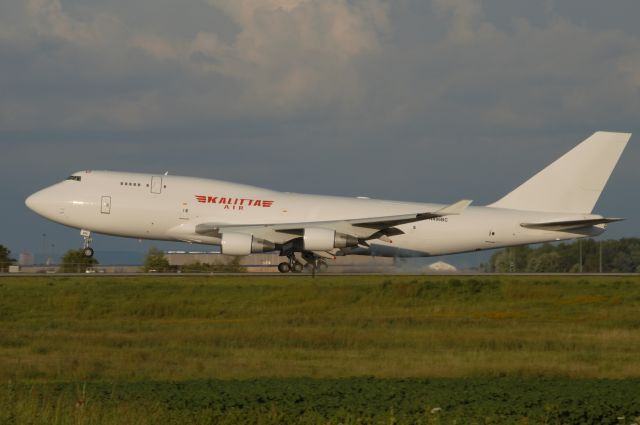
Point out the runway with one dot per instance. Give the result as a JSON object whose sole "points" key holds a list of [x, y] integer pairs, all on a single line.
{"points": [[319, 275]]}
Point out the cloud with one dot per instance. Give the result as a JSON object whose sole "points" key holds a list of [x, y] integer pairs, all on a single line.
{"points": [[465, 18], [286, 57], [356, 97], [290, 52], [48, 18], [359, 66]]}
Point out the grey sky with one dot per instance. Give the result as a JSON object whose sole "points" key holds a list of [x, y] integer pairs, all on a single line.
{"points": [[411, 99]]}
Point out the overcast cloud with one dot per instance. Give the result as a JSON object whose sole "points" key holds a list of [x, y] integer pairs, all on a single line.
{"points": [[411, 99]]}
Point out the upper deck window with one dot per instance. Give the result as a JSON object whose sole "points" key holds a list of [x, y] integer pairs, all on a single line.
{"points": [[76, 178]]}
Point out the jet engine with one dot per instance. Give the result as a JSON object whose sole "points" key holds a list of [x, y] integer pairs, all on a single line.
{"points": [[244, 244], [319, 239]]}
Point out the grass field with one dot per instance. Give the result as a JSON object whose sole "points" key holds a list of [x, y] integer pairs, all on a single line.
{"points": [[65, 339]]}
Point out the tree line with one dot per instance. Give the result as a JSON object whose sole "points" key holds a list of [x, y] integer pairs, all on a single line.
{"points": [[585, 255], [74, 261], [155, 261]]}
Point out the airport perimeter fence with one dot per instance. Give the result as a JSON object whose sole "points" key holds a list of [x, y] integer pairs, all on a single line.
{"points": [[83, 268]]}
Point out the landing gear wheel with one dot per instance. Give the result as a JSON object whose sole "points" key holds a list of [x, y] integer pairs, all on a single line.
{"points": [[284, 267], [87, 251], [297, 267]]}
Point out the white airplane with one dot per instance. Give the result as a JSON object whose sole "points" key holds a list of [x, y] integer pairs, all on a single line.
{"points": [[555, 204]]}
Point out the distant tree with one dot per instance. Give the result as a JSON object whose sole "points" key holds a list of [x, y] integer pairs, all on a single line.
{"points": [[5, 259], [156, 261], [512, 259], [619, 256], [547, 262], [74, 261]]}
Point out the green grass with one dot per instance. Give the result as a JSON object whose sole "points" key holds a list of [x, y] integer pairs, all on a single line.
{"points": [[129, 332], [327, 401]]}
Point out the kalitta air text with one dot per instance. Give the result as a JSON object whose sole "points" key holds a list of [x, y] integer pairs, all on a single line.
{"points": [[234, 203]]}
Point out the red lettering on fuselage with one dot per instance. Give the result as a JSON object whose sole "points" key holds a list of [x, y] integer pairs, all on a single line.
{"points": [[231, 203]]}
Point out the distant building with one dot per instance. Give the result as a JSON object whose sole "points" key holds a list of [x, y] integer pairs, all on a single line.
{"points": [[26, 259], [440, 267]]}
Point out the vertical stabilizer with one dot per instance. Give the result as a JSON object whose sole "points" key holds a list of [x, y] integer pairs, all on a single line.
{"points": [[572, 183]]}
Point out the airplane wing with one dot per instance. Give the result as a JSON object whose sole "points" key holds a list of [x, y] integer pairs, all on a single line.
{"points": [[362, 228], [385, 222]]}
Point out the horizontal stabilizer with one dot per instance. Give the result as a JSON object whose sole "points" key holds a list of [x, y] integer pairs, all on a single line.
{"points": [[559, 225]]}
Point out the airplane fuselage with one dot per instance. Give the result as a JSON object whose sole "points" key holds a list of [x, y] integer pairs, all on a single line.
{"points": [[164, 207]]}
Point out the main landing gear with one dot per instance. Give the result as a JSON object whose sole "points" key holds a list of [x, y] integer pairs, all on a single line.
{"points": [[292, 266], [87, 251], [313, 264]]}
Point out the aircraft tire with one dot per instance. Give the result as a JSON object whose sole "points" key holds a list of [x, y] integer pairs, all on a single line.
{"points": [[322, 267], [284, 267], [88, 252], [297, 267]]}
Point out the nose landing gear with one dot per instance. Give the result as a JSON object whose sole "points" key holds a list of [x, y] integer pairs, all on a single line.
{"points": [[87, 250]]}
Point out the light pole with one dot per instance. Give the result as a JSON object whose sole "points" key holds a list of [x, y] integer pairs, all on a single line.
{"points": [[44, 248], [600, 245], [580, 258]]}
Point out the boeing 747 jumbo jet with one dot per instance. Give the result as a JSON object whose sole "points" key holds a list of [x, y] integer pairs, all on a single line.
{"points": [[555, 204]]}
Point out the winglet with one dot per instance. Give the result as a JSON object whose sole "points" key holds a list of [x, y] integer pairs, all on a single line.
{"points": [[454, 209]]}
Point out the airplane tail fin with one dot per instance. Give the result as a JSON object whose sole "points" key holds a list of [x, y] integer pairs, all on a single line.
{"points": [[573, 182]]}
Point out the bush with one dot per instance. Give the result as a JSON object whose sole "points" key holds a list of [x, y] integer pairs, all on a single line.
{"points": [[5, 260], [232, 266], [156, 261], [74, 261]]}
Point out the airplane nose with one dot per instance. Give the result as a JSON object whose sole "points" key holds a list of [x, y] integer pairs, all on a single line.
{"points": [[49, 202], [30, 202], [36, 202]]}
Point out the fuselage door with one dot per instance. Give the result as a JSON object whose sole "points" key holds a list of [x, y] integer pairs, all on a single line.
{"points": [[156, 184], [184, 211], [105, 205]]}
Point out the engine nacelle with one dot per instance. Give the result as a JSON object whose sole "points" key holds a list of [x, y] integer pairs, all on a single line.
{"points": [[319, 239], [244, 244]]}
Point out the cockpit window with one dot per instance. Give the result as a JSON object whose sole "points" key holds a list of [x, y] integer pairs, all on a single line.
{"points": [[76, 178]]}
